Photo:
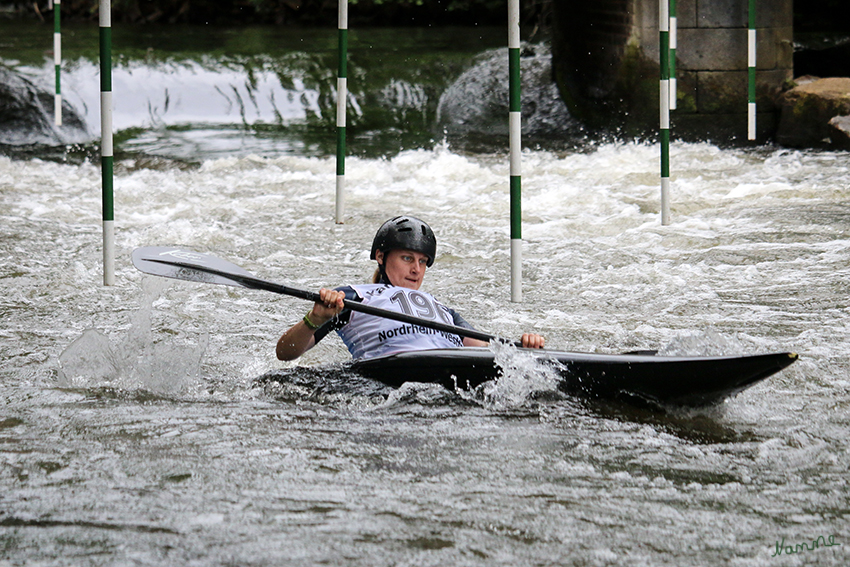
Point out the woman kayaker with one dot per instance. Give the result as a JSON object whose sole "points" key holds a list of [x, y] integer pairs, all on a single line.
{"points": [[404, 247]]}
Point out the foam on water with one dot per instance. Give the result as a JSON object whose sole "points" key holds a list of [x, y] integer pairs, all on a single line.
{"points": [[600, 272]]}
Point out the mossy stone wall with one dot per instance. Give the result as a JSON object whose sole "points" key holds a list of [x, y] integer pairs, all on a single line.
{"points": [[605, 60]]}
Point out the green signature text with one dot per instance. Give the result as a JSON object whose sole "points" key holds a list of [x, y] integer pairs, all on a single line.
{"points": [[801, 547]]}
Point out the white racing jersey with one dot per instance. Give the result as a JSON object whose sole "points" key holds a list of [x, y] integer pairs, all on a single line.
{"points": [[368, 336]]}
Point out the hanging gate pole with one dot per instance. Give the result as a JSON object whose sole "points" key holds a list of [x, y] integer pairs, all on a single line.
{"points": [[342, 97], [751, 72], [106, 141], [674, 42], [515, 126], [664, 53], [57, 61]]}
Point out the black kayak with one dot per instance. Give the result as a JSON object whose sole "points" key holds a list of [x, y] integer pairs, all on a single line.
{"points": [[665, 380], [659, 380]]}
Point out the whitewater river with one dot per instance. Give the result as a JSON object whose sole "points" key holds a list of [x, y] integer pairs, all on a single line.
{"points": [[134, 428]]}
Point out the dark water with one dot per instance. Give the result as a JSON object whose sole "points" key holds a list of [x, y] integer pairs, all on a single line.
{"points": [[134, 429]]}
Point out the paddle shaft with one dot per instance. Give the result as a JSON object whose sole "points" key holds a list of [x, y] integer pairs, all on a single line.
{"points": [[256, 283]]}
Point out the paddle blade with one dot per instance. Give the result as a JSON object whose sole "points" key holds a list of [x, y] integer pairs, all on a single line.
{"points": [[184, 264]]}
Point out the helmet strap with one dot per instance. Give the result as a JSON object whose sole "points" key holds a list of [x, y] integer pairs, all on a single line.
{"points": [[384, 278], [382, 268]]}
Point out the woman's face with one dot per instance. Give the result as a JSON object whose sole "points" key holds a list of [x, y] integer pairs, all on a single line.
{"points": [[404, 268]]}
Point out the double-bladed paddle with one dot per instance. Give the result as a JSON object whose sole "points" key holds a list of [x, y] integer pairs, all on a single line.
{"points": [[183, 264]]}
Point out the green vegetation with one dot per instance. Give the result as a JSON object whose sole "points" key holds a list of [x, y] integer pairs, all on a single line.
{"points": [[303, 12]]}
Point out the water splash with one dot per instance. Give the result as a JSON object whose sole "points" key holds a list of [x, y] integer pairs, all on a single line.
{"points": [[89, 361], [523, 379], [138, 362]]}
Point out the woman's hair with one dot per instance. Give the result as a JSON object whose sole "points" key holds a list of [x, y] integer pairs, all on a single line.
{"points": [[376, 277]]}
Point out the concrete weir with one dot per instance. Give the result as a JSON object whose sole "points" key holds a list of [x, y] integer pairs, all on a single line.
{"points": [[606, 63]]}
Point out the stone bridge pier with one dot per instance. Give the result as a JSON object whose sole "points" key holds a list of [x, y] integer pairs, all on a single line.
{"points": [[605, 58]]}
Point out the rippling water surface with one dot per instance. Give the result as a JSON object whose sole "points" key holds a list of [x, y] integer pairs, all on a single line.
{"points": [[134, 429]]}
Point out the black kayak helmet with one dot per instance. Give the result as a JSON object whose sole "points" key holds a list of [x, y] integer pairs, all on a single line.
{"points": [[407, 233]]}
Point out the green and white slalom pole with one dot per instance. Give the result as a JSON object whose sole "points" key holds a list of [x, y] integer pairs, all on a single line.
{"points": [[342, 97], [106, 141], [674, 41], [515, 128], [664, 100], [57, 60], [751, 72]]}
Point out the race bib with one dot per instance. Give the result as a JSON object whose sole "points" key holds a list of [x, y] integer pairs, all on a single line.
{"points": [[368, 336]]}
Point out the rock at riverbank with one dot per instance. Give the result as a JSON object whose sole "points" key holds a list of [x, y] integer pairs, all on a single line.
{"points": [[26, 114], [476, 105], [807, 113], [839, 132]]}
